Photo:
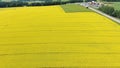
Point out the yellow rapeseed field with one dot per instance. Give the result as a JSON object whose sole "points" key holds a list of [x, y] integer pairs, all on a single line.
{"points": [[47, 37]]}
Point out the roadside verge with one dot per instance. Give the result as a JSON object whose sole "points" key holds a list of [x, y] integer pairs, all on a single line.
{"points": [[108, 16]]}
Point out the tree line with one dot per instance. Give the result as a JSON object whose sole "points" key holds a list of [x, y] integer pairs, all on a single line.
{"points": [[110, 11], [21, 3], [34, 3]]}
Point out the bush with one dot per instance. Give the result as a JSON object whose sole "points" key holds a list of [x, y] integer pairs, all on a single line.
{"points": [[110, 10], [116, 13], [107, 9]]}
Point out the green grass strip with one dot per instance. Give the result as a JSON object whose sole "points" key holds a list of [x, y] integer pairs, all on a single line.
{"points": [[68, 8]]}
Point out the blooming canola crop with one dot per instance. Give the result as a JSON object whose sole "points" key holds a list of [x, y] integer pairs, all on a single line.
{"points": [[35, 37]]}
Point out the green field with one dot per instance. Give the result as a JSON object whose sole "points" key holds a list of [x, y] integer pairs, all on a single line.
{"points": [[116, 5], [74, 8]]}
